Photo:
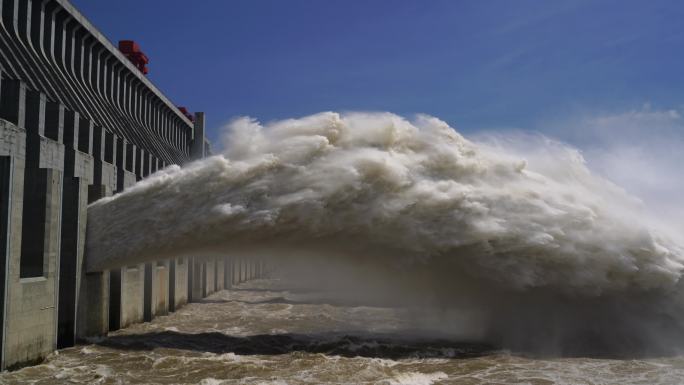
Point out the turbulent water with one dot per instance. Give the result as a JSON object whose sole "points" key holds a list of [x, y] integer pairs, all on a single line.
{"points": [[516, 244], [378, 186], [275, 332], [428, 258]]}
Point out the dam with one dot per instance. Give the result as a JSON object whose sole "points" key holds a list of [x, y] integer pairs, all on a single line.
{"points": [[79, 121], [400, 249]]}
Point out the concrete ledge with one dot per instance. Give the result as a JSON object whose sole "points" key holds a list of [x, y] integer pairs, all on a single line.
{"points": [[83, 166], [12, 140], [129, 179], [32, 280], [108, 176], [51, 154]]}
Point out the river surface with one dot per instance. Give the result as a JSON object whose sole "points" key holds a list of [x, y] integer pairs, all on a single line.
{"points": [[262, 333]]}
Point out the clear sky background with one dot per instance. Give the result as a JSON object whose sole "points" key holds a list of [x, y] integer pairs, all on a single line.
{"points": [[606, 76], [476, 64]]}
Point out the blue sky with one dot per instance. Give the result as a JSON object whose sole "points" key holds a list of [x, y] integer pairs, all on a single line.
{"points": [[476, 64]]}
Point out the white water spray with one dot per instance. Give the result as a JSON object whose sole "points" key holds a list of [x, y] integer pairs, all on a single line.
{"points": [[376, 187]]}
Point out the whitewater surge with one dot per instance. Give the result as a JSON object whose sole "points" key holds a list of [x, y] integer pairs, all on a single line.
{"points": [[363, 186]]}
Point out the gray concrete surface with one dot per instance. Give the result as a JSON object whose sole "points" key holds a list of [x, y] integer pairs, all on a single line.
{"points": [[76, 125]]}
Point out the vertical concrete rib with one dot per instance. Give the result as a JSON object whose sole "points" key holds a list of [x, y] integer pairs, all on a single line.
{"points": [[198, 141], [78, 175], [93, 305], [30, 318], [5, 192], [13, 155]]}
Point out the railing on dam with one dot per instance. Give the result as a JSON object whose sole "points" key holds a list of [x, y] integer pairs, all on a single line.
{"points": [[51, 47], [79, 122]]}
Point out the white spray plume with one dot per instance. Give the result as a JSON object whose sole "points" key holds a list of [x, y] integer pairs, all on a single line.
{"points": [[408, 196], [640, 149], [509, 239]]}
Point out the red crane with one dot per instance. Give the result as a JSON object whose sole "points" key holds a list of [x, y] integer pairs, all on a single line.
{"points": [[187, 114], [132, 51]]}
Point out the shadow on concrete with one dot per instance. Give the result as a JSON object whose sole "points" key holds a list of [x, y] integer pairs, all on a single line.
{"points": [[346, 345]]}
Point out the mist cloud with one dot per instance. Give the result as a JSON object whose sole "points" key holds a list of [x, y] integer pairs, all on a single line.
{"points": [[508, 237], [399, 191]]}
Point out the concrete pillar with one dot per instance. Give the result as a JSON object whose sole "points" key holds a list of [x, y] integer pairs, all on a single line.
{"points": [[93, 301], [131, 158], [124, 176], [236, 271], [198, 137], [210, 276], [5, 194], [103, 150], [32, 177], [160, 289], [219, 279], [93, 306], [156, 301], [139, 167], [203, 279], [132, 286], [147, 292], [250, 269], [125, 284], [191, 278], [147, 165], [85, 135], [12, 165], [227, 273], [247, 270], [114, 299], [178, 283], [78, 174], [93, 309], [198, 282], [172, 284]]}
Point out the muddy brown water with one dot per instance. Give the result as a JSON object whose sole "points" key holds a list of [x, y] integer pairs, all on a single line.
{"points": [[263, 333]]}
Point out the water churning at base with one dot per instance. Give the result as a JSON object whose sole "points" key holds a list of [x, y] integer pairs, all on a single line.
{"points": [[375, 188]]}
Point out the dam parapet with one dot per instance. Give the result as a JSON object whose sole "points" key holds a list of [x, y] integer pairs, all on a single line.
{"points": [[78, 122]]}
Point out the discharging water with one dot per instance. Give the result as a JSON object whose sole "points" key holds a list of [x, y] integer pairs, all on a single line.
{"points": [[272, 332], [420, 257], [504, 240]]}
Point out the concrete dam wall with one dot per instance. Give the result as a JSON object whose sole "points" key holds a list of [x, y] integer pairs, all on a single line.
{"points": [[79, 121]]}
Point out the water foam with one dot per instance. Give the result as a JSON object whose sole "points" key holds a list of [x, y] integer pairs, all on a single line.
{"points": [[413, 190], [404, 194], [415, 378]]}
